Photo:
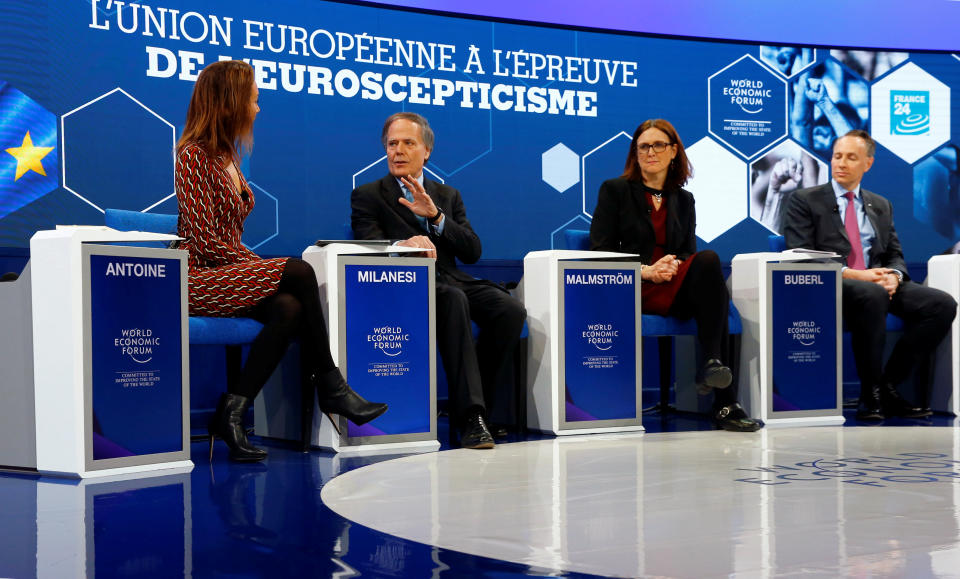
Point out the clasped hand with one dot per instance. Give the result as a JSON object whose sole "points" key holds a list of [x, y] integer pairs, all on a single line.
{"points": [[885, 277], [662, 271]]}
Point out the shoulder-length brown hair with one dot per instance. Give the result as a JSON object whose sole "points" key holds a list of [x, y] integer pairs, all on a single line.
{"points": [[220, 117], [680, 169]]}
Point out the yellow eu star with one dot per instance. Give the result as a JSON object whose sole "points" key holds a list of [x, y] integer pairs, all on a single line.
{"points": [[28, 157]]}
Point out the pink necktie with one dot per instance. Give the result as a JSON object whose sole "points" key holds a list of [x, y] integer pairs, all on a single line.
{"points": [[855, 259]]}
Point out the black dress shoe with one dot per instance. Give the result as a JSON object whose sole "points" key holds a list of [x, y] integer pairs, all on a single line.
{"points": [[896, 405], [498, 431], [871, 407], [732, 417], [716, 375], [475, 433]]}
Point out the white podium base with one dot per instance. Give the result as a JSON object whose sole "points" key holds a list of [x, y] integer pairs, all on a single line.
{"points": [[606, 429], [160, 469], [418, 447], [804, 421]]}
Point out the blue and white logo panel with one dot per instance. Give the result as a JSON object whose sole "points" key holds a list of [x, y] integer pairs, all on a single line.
{"points": [[911, 112], [747, 106]]}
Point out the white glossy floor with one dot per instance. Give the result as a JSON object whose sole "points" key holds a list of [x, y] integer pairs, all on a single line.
{"points": [[818, 502]]}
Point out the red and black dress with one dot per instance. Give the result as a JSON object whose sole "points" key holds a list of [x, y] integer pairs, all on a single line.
{"points": [[225, 278]]}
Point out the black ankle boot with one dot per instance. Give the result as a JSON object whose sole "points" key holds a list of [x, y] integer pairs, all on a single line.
{"points": [[227, 424], [335, 396]]}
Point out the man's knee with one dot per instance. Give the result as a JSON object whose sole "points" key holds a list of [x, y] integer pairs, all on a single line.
{"points": [[866, 298], [452, 303], [944, 309], [515, 315]]}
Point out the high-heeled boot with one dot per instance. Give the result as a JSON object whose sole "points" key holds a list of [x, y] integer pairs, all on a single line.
{"points": [[227, 424], [335, 396]]}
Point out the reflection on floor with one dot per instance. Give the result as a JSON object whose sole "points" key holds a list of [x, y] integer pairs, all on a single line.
{"points": [[689, 504]]}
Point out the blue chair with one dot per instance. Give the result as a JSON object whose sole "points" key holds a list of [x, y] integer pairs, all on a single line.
{"points": [[779, 243], [665, 329], [232, 333]]}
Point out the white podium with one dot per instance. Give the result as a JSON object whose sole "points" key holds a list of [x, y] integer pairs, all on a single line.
{"points": [[94, 368], [790, 361], [584, 344], [381, 322], [943, 272]]}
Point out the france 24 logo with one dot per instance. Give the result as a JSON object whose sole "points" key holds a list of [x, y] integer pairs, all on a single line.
{"points": [[909, 112]]}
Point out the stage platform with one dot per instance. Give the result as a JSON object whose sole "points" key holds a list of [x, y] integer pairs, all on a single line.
{"points": [[677, 501]]}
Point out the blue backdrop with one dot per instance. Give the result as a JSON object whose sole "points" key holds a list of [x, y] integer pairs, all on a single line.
{"points": [[529, 119]]}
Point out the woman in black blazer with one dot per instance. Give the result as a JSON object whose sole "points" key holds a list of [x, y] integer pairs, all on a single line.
{"points": [[646, 211]]}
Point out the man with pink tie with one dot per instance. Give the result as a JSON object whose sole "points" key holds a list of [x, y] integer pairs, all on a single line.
{"points": [[857, 224]]}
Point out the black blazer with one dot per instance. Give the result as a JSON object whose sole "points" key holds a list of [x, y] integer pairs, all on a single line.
{"points": [[376, 214], [621, 221], [813, 222]]}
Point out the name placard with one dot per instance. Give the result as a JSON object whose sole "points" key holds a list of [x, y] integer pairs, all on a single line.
{"points": [[600, 344], [804, 340], [388, 345], [136, 356]]}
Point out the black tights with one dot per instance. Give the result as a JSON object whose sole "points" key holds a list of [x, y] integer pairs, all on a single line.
{"points": [[704, 297], [292, 313]]}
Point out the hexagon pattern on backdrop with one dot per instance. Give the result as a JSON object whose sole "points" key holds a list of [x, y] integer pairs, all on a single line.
{"points": [[718, 186], [910, 112], [747, 106], [776, 175], [264, 223], [557, 236], [113, 139], [603, 162], [560, 167], [936, 188]]}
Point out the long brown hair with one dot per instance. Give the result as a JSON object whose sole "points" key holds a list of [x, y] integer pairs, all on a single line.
{"points": [[680, 169], [220, 118]]}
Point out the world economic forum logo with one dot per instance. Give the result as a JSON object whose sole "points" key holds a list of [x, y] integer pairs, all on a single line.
{"points": [[388, 339], [601, 336], [747, 106], [909, 112]]}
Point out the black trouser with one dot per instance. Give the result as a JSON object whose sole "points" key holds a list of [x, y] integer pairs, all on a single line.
{"points": [[476, 373], [293, 313], [926, 312], [703, 296]]}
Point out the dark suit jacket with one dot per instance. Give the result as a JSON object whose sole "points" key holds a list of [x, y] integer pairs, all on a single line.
{"points": [[621, 221], [813, 222], [376, 214]]}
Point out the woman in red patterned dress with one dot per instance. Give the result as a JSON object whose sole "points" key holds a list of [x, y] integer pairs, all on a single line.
{"points": [[227, 279], [646, 211]]}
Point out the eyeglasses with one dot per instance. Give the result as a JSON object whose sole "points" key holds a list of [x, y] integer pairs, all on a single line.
{"points": [[657, 147]]}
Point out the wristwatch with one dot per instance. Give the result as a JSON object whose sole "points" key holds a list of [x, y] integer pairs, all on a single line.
{"points": [[436, 217], [899, 275]]}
